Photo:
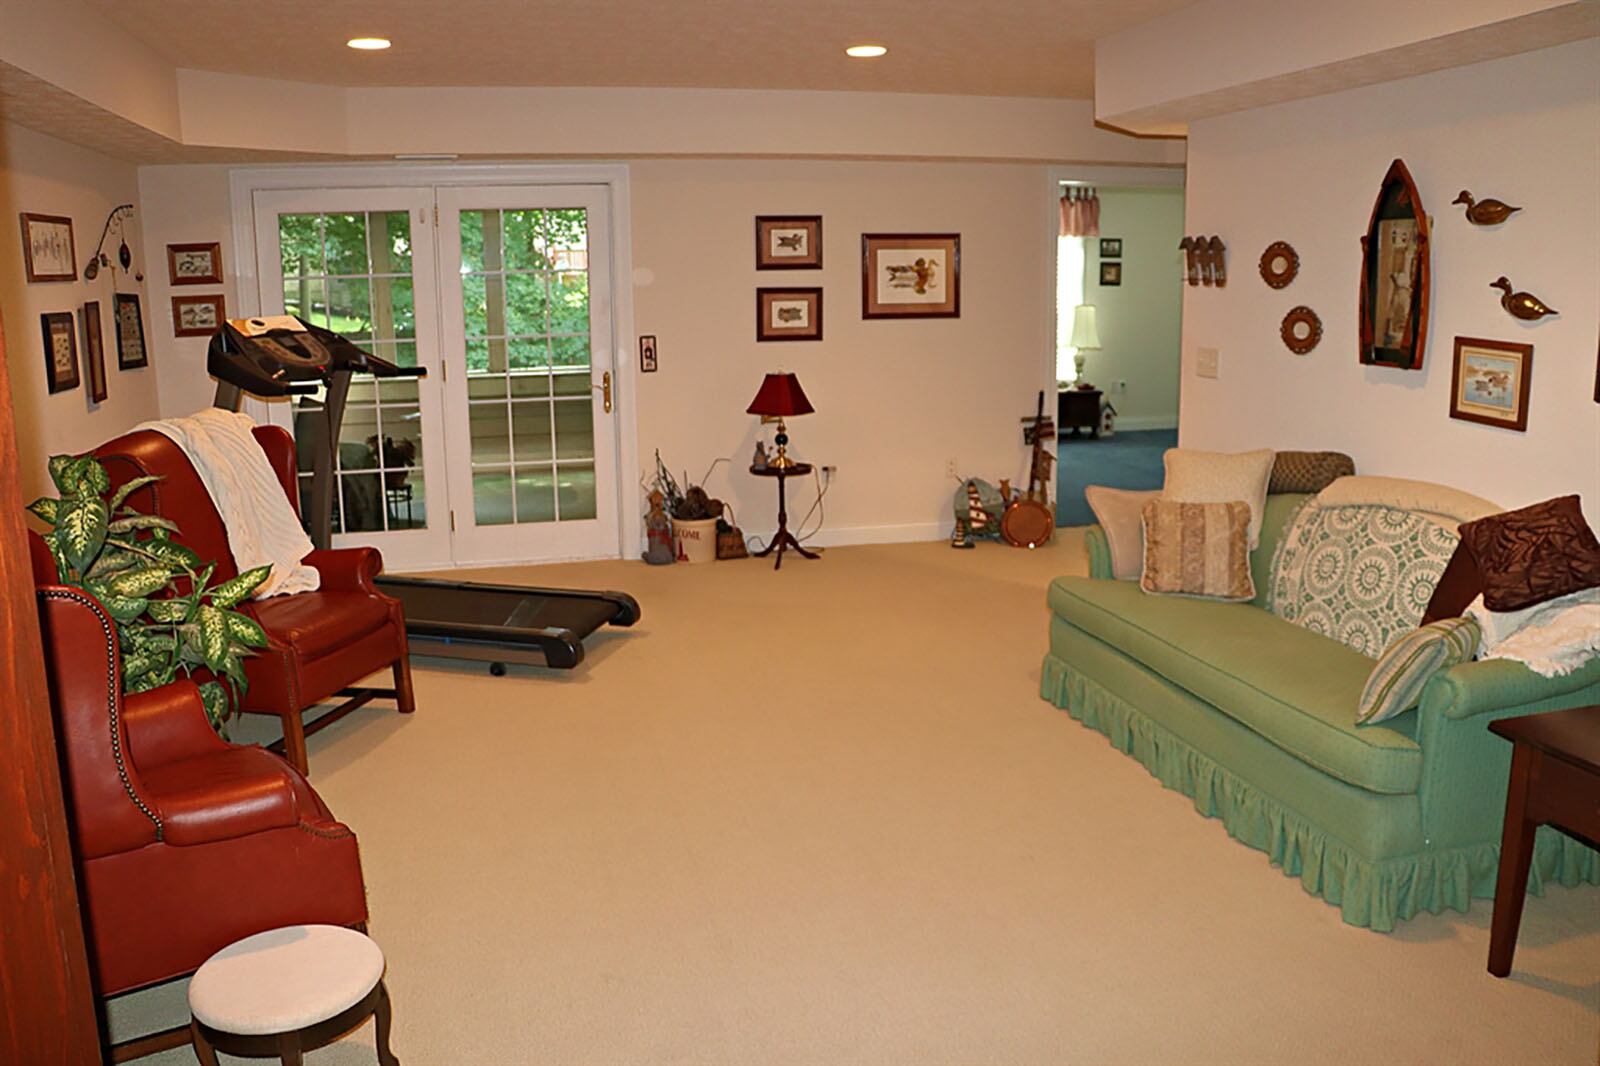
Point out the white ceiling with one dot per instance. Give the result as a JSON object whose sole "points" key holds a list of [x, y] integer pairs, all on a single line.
{"points": [[977, 47]]}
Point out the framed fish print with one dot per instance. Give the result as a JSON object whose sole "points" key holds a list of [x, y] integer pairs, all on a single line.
{"points": [[131, 352], [195, 264], [197, 316], [60, 350], [1490, 382], [789, 314], [94, 353], [788, 242], [911, 275]]}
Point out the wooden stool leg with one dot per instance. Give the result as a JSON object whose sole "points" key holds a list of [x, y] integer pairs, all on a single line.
{"points": [[294, 742], [202, 1047], [289, 1049], [385, 1017], [1516, 855]]}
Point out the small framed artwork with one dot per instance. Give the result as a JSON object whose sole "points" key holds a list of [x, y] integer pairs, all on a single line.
{"points": [[647, 353], [94, 353], [131, 352], [1110, 273], [911, 275], [1110, 247], [48, 252], [788, 314], [60, 350], [197, 316], [788, 242], [195, 264], [1490, 382]]}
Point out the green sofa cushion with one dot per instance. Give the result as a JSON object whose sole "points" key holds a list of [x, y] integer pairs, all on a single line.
{"points": [[1294, 687]]}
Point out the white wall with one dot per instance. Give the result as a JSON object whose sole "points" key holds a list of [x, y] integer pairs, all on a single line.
{"points": [[1140, 321], [47, 176], [1524, 129]]}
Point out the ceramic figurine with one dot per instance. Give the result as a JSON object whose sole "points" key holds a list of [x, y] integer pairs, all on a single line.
{"points": [[1489, 212], [657, 533], [759, 460], [1523, 305]]}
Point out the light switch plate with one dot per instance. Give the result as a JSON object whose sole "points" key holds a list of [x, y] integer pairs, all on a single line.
{"points": [[1205, 362]]}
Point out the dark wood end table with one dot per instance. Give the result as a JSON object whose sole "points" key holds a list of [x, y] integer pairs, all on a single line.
{"points": [[1078, 409], [1555, 780], [783, 539]]}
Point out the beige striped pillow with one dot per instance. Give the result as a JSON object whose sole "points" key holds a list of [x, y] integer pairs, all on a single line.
{"points": [[1197, 549]]}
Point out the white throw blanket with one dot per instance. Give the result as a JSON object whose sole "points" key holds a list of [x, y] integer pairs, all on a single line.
{"points": [[262, 527], [1553, 638]]}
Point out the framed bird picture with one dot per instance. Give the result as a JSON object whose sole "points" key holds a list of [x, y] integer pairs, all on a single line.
{"points": [[911, 275], [1490, 382]]}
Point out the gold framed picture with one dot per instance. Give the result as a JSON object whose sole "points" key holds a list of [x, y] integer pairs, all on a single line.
{"points": [[1490, 382], [911, 275], [788, 242], [789, 314]]}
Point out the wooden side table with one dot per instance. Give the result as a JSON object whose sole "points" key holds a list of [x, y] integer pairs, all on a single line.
{"points": [[1078, 409], [783, 539], [1555, 780]]}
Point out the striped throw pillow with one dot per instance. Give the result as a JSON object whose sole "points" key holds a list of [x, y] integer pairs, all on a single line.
{"points": [[1197, 549], [1406, 665]]}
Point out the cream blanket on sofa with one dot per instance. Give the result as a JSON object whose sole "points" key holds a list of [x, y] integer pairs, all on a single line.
{"points": [[262, 527]]}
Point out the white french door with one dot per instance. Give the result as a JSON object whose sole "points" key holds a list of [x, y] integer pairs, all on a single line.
{"points": [[525, 319], [506, 451], [361, 263]]}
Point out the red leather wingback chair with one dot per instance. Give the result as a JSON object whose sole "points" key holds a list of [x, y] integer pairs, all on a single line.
{"points": [[319, 642], [184, 842]]}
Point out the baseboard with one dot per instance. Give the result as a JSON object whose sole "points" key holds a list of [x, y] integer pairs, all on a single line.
{"points": [[1137, 422], [845, 536]]}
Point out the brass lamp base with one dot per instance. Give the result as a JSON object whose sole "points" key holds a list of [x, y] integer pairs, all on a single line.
{"points": [[781, 461]]}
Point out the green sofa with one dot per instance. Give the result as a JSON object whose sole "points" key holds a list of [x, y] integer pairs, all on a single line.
{"points": [[1254, 718]]}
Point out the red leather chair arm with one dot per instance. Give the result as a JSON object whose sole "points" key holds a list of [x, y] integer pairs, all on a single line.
{"points": [[169, 724], [223, 795], [347, 569]]}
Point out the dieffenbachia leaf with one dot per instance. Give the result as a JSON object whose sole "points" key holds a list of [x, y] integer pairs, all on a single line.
{"points": [[213, 636], [119, 497], [215, 698], [124, 609], [114, 561], [233, 592], [81, 524], [244, 629], [172, 553], [169, 611], [140, 521], [45, 508], [60, 467], [89, 476]]}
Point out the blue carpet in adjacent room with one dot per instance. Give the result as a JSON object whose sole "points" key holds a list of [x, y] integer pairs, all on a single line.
{"points": [[1130, 460]]}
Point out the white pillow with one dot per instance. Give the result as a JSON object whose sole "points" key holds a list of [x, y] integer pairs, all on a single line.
{"points": [[1220, 477], [1120, 514]]}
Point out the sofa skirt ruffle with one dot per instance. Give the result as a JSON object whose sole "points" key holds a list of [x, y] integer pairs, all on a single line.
{"points": [[1372, 893]]}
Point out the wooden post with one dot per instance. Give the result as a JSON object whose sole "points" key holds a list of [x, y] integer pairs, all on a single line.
{"points": [[46, 1003]]}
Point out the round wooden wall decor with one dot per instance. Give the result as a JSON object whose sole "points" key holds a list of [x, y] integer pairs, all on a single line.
{"points": [[1279, 264], [1301, 330]]}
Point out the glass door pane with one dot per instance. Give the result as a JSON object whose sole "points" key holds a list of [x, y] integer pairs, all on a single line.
{"points": [[534, 342], [354, 261]]}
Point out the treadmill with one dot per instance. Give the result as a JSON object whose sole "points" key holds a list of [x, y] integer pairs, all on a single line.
{"points": [[282, 355]]}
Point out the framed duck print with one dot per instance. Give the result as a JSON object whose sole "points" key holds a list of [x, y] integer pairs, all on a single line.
{"points": [[1490, 382], [911, 275]]}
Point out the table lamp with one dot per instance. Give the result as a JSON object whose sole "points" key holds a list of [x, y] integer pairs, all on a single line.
{"points": [[780, 397], [1085, 338]]}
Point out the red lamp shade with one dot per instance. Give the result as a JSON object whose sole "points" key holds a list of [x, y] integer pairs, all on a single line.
{"points": [[780, 395]]}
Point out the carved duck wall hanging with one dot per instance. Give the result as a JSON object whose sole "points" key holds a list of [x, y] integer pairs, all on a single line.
{"points": [[1523, 305], [1490, 212]]}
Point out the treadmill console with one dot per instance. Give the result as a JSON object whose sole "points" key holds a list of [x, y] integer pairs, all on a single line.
{"points": [[282, 355]]}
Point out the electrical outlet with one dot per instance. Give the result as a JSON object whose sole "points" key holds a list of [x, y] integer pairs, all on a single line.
{"points": [[1206, 361], [952, 468]]}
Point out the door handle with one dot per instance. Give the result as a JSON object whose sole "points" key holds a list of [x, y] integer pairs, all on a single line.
{"points": [[605, 390]]}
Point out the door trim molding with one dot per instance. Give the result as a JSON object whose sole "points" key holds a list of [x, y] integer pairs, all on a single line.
{"points": [[244, 182]]}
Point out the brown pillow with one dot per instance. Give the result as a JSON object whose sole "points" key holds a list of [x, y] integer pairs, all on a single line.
{"points": [[1197, 549], [1308, 471], [1533, 554], [1458, 586]]}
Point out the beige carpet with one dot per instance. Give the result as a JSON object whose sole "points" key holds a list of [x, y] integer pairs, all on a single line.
{"points": [[822, 817]]}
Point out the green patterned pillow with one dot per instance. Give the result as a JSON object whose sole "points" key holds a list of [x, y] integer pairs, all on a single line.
{"points": [[1397, 681]]}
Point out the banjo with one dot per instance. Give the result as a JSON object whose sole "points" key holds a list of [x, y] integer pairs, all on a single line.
{"points": [[1030, 521]]}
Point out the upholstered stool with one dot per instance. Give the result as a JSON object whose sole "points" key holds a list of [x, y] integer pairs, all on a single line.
{"points": [[287, 991]]}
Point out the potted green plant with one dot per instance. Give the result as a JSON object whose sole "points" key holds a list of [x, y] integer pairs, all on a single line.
{"points": [[170, 620]]}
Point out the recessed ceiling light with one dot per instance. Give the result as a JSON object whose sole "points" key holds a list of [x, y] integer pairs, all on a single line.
{"points": [[866, 51], [368, 44]]}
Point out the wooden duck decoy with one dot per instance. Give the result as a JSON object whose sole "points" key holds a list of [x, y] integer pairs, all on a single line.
{"points": [[1489, 212], [1523, 305]]}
